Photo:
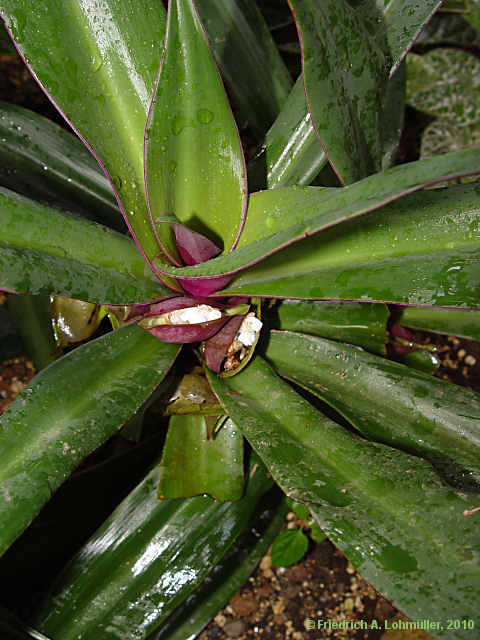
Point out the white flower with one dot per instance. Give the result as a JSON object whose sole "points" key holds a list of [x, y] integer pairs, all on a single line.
{"points": [[194, 315], [249, 330]]}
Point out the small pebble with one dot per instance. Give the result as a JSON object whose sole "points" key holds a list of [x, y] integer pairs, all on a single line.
{"points": [[220, 619], [234, 629]]}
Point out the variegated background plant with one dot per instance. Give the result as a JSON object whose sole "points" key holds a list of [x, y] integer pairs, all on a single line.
{"points": [[391, 476]]}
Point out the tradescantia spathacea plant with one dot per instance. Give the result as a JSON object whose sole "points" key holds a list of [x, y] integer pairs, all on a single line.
{"points": [[281, 294]]}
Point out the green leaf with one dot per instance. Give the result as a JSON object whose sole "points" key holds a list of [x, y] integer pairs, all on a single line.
{"points": [[401, 526], [423, 249], [46, 251], [459, 322], [280, 217], [194, 162], [422, 360], [99, 67], [392, 118], [244, 49], [386, 401], [344, 72], [316, 533], [31, 317], [473, 13], [360, 323], [289, 547], [229, 575], [300, 510], [193, 464], [403, 21], [69, 409], [74, 320], [143, 562], [44, 162], [291, 153], [444, 83]]}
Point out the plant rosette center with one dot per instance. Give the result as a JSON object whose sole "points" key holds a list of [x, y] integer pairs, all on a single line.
{"points": [[228, 329]]}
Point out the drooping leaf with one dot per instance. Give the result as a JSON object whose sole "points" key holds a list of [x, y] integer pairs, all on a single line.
{"points": [[44, 162], [289, 547], [46, 251], [194, 464], [363, 324], [382, 507], [459, 322], [345, 74], [245, 50], [385, 400], [194, 160], [98, 65], [145, 560], [67, 411], [229, 575]]}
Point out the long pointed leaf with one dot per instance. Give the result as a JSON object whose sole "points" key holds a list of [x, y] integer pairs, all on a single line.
{"points": [[229, 575], [362, 324], [145, 560], [422, 250], [69, 410], [388, 511], [404, 22], [194, 160], [98, 65], [291, 154], [44, 162], [46, 251], [386, 401], [345, 74]]}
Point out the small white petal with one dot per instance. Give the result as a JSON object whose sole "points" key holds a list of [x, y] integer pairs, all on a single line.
{"points": [[249, 330], [194, 315], [252, 323]]}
